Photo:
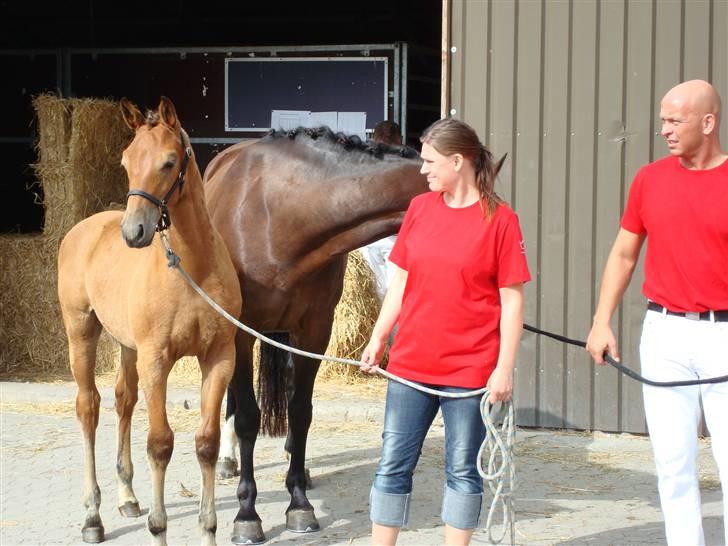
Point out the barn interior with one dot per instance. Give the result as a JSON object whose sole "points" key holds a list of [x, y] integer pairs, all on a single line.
{"points": [[33, 42]]}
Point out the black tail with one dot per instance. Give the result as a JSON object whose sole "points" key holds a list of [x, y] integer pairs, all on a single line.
{"points": [[272, 385]]}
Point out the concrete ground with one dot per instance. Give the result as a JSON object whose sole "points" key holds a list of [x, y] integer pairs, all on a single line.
{"points": [[573, 488]]}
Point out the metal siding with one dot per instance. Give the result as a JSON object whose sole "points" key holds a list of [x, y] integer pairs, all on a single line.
{"points": [[524, 160], [579, 293], [637, 137], [571, 89], [608, 187], [553, 220]]}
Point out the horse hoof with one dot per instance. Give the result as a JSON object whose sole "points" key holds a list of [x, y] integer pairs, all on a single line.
{"points": [[130, 510], [247, 532], [227, 468], [93, 534], [302, 521]]}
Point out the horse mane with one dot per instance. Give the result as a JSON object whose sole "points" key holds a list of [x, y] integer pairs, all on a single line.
{"points": [[349, 143], [152, 118]]}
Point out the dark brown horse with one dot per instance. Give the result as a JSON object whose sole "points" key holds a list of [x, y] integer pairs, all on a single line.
{"points": [[290, 207], [113, 274]]}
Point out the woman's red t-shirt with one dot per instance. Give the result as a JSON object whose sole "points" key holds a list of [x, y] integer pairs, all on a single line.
{"points": [[457, 260]]}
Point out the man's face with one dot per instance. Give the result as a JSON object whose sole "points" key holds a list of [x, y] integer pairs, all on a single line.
{"points": [[682, 127]]}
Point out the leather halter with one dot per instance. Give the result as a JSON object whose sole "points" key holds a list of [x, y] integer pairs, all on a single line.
{"points": [[164, 219]]}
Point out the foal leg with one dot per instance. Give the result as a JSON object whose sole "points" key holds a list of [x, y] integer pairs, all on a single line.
{"points": [[126, 397], [227, 464], [83, 330], [160, 441], [217, 370]]}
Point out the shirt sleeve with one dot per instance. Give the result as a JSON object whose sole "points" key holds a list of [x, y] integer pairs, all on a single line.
{"points": [[512, 263], [398, 255], [631, 220]]}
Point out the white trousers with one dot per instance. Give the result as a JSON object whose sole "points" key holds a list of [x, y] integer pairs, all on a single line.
{"points": [[673, 349]]}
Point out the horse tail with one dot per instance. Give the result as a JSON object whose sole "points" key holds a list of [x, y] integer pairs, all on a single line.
{"points": [[272, 385]]}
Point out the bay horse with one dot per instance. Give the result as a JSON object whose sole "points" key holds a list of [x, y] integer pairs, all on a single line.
{"points": [[290, 206], [113, 274]]}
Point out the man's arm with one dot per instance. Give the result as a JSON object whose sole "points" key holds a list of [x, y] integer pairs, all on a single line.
{"points": [[615, 279]]}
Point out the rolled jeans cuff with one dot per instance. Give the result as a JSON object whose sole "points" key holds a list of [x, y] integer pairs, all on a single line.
{"points": [[461, 510], [389, 509]]}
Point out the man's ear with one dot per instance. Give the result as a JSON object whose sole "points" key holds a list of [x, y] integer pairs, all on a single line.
{"points": [[709, 123]]}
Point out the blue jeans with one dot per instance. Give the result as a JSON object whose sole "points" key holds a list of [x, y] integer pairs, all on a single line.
{"points": [[407, 418]]}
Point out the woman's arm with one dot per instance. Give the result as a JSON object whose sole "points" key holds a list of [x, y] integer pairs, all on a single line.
{"points": [[500, 383], [391, 307]]}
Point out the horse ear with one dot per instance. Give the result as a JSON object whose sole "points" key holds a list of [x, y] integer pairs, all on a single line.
{"points": [[132, 116], [499, 165], [167, 113]]}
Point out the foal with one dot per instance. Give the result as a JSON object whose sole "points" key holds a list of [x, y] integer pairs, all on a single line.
{"points": [[118, 279]]}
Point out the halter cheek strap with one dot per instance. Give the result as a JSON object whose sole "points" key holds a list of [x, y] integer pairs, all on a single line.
{"points": [[164, 219]]}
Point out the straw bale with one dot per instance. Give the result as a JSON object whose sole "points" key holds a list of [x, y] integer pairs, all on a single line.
{"points": [[32, 339], [80, 147], [354, 320], [53, 116]]}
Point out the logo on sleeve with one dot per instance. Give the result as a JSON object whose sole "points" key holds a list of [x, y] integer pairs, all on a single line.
{"points": [[522, 244]]}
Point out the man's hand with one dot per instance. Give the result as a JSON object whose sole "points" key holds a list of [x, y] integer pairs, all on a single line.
{"points": [[601, 339]]}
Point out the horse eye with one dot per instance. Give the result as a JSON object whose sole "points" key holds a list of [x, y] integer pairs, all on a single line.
{"points": [[168, 165]]}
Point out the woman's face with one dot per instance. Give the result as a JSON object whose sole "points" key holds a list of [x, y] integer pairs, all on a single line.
{"points": [[440, 169]]}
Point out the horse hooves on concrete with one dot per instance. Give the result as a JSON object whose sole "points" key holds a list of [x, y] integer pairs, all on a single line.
{"points": [[130, 510], [302, 521], [248, 532], [227, 468], [93, 534]]}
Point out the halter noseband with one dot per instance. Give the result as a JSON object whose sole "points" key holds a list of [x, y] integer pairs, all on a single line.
{"points": [[164, 219]]}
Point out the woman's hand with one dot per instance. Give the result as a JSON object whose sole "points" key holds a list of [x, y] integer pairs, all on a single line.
{"points": [[371, 355], [500, 385]]}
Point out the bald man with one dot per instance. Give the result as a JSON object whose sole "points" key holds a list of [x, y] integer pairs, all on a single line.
{"points": [[679, 204]]}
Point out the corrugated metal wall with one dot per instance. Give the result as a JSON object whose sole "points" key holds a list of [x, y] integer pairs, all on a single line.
{"points": [[571, 90]]}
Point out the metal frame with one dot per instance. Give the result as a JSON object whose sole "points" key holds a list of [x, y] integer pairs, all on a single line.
{"points": [[229, 129], [64, 74]]}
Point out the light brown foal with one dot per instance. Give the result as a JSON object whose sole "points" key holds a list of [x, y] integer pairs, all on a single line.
{"points": [[113, 274]]}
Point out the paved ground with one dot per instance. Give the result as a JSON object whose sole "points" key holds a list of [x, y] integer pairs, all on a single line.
{"points": [[573, 488]]}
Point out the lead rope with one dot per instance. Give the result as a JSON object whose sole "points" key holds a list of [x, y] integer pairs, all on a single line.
{"points": [[493, 447]]}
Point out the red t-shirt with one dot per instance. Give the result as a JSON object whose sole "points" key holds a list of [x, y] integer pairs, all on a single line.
{"points": [[449, 323], [685, 216]]}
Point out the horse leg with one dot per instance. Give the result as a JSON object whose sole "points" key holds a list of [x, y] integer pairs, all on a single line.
{"points": [[83, 330], [300, 516], [217, 370], [247, 527], [126, 397], [227, 464], [160, 441]]}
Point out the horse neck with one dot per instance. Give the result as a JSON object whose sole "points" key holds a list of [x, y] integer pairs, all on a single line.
{"points": [[347, 213], [191, 233]]}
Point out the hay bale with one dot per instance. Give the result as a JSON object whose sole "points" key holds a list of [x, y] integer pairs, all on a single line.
{"points": [[354, 320], [32, 340], [80, 146], [79, 150]]}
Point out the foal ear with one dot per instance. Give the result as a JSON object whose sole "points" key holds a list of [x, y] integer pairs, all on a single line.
{"points": [[167, 113], [132, 116], [499, 165]]}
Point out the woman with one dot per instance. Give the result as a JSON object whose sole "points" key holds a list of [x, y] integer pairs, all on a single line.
{"points": [[457, 296]]}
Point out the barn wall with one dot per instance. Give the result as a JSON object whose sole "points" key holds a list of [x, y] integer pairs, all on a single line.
{"points": [[571, 90]]}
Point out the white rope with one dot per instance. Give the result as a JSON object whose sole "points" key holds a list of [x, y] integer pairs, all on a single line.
{"points": [[493, 446]]}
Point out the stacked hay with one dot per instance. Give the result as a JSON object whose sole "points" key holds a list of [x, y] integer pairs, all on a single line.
{"points": [[354, 320], [79, 150]]}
